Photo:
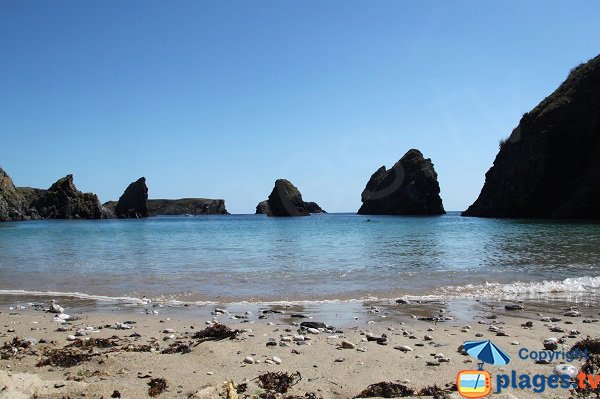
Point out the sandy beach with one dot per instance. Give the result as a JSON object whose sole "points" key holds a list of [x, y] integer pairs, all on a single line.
{"points": [[116, 352]]}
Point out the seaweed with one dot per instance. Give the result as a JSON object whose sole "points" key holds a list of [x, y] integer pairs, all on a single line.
{"points": [[157, 386], [386, 390], [588, 344], [216, 332], [435, 391], [279, 382], [64, 357], [177, 347], [14, 347], [95, 343]]}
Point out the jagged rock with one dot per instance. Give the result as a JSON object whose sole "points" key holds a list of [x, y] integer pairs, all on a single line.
{"points": [[286, 200], [549, 167], [63, 201], [134, 201], [410, 187], [263, 208], [11, 201]]}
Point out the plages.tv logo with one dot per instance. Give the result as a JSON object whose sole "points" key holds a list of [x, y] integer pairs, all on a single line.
{"points": [[478, 383]]}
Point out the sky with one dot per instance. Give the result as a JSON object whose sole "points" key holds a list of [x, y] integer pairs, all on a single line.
{"points": [[217, 99]]}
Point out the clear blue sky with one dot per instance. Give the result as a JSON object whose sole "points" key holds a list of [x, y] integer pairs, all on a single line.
{"points": [[218, 99]]}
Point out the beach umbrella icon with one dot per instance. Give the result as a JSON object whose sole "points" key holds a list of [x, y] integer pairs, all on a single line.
{"points": [[486, 352]]}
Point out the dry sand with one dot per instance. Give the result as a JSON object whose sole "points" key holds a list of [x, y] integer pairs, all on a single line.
{"points": [[326, 368]]}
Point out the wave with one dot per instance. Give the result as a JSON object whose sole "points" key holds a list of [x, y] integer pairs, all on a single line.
{"points": [[574, 285], [581, 286]]}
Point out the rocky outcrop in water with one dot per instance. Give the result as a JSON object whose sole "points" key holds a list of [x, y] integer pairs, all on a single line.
{"points": [[263, 208], [313, 207], [187, 206], [549, 167], [288, 202], [63, 201], [134, 201], [177, 207], [11, 201], [410, 187]]}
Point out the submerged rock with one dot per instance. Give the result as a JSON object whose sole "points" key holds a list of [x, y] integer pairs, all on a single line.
{"points": [[410, 187], [134, 201], [549, 167]]}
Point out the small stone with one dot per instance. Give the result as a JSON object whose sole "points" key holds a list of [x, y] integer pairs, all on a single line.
{"points": [[515, 343], [432, 363], [168, 331], [71, 338], [514, 306], [428, 338], [348, 345], [276, 359], [249, 360], [404, 348], [572, 313]]}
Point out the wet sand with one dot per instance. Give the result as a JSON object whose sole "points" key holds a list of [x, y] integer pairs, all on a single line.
{"points": [[269, 341]]}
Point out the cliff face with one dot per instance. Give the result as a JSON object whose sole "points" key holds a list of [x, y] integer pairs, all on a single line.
{"points": [[410, 187], [11, 201], [286, 200], [550, 165], [134, 201], [63, 201]]}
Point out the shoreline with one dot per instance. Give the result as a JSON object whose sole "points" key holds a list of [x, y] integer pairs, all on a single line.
{"points": [[327, 370]]}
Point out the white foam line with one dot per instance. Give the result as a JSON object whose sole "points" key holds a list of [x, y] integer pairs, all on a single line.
{"points": [[77, 295], [577, 285]]}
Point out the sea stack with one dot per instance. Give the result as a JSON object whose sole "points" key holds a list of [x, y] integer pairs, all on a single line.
{"points": [[286, 200], [549, 167], [63, 201], [410, 187], [11, 201], [134, 201]]}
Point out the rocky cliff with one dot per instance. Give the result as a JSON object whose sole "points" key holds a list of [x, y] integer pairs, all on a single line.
{"points": [[11, 201], [62, 201], [134, 201], [410, 187], [286, 200], [549, 167]]}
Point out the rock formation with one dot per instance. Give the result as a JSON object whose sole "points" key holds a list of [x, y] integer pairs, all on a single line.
{"points": [[63, 201], [187, 206], [549, 167], [288, 190], [313, 207], [410, 187], [11, 201], [177, 207], [263, 208], [134, 201], [286, 200]]}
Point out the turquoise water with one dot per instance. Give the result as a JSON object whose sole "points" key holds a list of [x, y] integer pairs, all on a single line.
{"points": [[330, 256]]}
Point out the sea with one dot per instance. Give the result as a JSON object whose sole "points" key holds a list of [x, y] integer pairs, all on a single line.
{"points": [[321, 258]]}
